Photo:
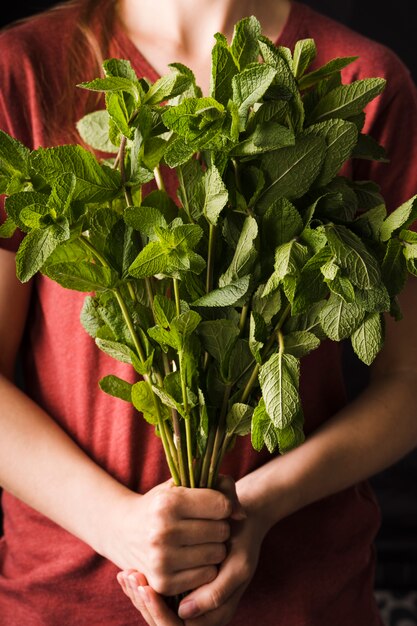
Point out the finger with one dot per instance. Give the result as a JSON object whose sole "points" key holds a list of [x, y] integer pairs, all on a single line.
{"points": [[195, 532], [212, 595], [227, 485], [198, 556], [159, 611], [222, 615], [135, 591], [203, 504], [184, 581]]}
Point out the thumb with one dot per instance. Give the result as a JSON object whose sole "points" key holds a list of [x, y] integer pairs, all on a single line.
{"points": [[227, 485]]}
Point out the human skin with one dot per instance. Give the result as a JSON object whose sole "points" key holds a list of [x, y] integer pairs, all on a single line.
{"points": [[37, 457]]}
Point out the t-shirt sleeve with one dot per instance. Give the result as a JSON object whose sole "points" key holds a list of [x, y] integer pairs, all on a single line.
{"points": [[392, 120]]}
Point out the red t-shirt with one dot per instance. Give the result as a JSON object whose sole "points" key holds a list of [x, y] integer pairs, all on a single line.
{"points": [[316, 567]]}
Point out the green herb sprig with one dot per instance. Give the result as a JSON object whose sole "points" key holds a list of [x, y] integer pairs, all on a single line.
{"points": [[268, 252]]}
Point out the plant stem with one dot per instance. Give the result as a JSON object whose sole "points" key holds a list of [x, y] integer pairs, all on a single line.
{"points": [[178, 439], [188, 432], [120, 160], [207, 458], [210, 258], [220, 433], [158, 179], [87, 244], [243, 316], [129, 324]]}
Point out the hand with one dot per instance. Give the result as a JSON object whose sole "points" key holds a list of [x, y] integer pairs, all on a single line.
{"points": [[151, 605], [175, 536], [215, 603]]}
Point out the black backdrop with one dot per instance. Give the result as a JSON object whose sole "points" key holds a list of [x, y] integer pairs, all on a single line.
{"points": [[397, 542]]}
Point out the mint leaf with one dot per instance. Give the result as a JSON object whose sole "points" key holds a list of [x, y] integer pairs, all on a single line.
{"points": [[347, 100], [263, 430], [266, 137], [248, 87], [292, 436], [94, 131], [238, 421], [215, 195], [218, 338], [37, 246], [300, 343], [143, 401], [228, 295], [368, 148], [169, 86], [339, 319], [82, 276], [278, 378], [305, 52], [368, 339], [332, 67], [116, 350], [257, 335], [394, 267], [352, 255], [245, 254], [289, 172], [94, 182], [116, 387], [341, 138], [14, 156], [8, 228], [402, 217], [223, 69], [114, 84], [244, 46], [281, 223]]}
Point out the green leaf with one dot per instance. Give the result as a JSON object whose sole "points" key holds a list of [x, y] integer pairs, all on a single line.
{"points": [[311, 286], [37, 246], [347, 100], [238, 421], [305, 52], [190, 177], [291, 171], [342, 286], [278, 378], [266, 137], [196, 120], [8, 228], [263, 430], [257, 335], [266, 305], [14, 156], [341, 138], [339, 319], [143, 401], [116, 350], [300, 343], [94, 131], [168, 86], [352, 255], [144, 219], [368, 339], [215, 195], [94, 182], [15, 204], [245, 46], [394, 267], [332, 67], [150, 261], [281, 223], [368, 148], [185, 324], [116, 387], [164, 310], [82, 276], [114, 84], [401, 218], [374, 300], [223, 69], [292, 436], [248, 88], [225, 296], [245, 254], [218, 338]]}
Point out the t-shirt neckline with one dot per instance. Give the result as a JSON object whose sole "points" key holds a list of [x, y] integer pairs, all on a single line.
{"points": [[290, 33]]}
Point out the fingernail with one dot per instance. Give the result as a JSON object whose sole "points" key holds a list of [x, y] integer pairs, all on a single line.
{"points": [[143, 593], [188, 609]]}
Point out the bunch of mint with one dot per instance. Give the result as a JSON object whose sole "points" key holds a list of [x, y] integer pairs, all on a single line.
{"points": [[269, 251]]}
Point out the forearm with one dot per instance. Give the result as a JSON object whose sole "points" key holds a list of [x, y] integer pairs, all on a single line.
{"points": [[367, 436], [42, 466]]}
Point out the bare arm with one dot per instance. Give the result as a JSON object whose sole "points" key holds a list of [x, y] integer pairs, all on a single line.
{"points": [[42, 466], [367, 436]]}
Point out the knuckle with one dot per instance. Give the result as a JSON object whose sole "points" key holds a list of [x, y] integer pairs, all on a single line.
{"points": [[216, 597]]}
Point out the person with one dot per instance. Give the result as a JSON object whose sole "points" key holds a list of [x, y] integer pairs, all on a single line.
{"points": [[285, 541]]}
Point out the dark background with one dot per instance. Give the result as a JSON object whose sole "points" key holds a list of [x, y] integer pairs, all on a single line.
{"points": [[393, 24]]}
